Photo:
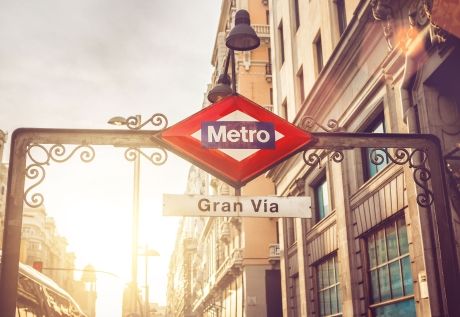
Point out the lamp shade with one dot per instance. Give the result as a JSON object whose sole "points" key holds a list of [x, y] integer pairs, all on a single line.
{"points": [[242, 37], [221, 90]]}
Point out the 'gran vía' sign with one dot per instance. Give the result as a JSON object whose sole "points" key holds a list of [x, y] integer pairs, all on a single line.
{"points": [[245, 206]]}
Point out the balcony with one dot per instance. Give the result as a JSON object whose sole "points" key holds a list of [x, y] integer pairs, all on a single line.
{"points": [[224, 234], [274, 253], [229, 267], [268, 72], [262, 30], [269, 107]]}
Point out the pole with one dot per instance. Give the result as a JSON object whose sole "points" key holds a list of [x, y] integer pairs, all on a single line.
{"points": [[146, 283], [135, 227], [233, 71]]}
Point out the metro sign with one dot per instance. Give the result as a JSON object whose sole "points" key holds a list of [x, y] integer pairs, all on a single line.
{"points": [[234, 139]]}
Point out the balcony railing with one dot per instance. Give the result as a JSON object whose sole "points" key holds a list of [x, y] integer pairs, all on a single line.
{"points": [[224, 231], [268, 72], [274, 253], [262, 30], [268, 107]]}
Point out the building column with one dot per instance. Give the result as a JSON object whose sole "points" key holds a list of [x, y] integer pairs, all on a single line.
{"points": [[345, 238]]}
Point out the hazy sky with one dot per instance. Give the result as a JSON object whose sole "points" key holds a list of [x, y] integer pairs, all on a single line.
{"points": [[75, 64]]}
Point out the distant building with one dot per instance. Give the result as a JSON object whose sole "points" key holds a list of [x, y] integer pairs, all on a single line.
{"points": [[229, 266], [220, 263], [41, 246]]}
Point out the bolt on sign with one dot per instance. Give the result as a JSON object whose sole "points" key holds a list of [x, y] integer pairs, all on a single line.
{"points": [[236, 206], [234, 139]]}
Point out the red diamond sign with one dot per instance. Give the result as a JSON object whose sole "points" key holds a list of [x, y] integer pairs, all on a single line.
{"points": [[234, 139]]}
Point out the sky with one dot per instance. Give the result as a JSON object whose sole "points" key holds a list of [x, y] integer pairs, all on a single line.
{"points": [[75, 64]]}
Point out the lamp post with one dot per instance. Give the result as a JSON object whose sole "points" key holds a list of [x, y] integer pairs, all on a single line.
{"points": [[89, 278], [147, 252], [241, 38], [135, 212]]}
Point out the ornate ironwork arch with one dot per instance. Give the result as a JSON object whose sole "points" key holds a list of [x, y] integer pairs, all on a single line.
{"points": [[421, 152]]}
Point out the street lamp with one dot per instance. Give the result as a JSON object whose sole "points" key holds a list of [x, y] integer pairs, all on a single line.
{"points": [[135, 221], [241, 38], [147, 252], [221, 90], [89, 278]]}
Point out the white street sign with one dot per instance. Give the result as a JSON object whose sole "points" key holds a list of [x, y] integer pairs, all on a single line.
{"points": [[236, 206]]}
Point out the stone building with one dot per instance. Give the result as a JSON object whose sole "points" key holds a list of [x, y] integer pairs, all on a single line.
{"points": [[229, 266], [374, 67], [373, 246]]}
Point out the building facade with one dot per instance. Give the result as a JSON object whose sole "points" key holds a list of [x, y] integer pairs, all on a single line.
{"points": [[375, 67], [230, 266], [370, 249]]}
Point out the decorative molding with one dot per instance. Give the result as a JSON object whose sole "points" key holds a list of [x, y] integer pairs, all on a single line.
{"points": [[382, 11], [438, 35], [418, 15]]}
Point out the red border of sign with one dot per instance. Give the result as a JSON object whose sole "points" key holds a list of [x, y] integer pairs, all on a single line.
{"points": [[178, 139]]}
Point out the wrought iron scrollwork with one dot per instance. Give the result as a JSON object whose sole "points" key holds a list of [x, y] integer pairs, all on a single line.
{"points": [[314, 159], [417, 161], [157, 157], [336, 155], [416, 158], [41, 156], [307, 123], [158, 120]]}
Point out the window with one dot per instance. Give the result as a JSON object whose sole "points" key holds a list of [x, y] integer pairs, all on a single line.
{"points": [[290, 230], [294, 305], [318, 48], [390, 272], [300, 84], [267, 17], [341, 15], [284, 110], [281, 41], [372, 156], [321, 199], [329, 295], [296, 14]]}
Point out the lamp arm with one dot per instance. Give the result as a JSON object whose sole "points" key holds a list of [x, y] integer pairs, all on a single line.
{"points": [[233, 71]]}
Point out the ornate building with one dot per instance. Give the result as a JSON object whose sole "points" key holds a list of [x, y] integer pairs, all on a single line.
{"points": [[376, 67], [229, 266], [376, 245]]}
